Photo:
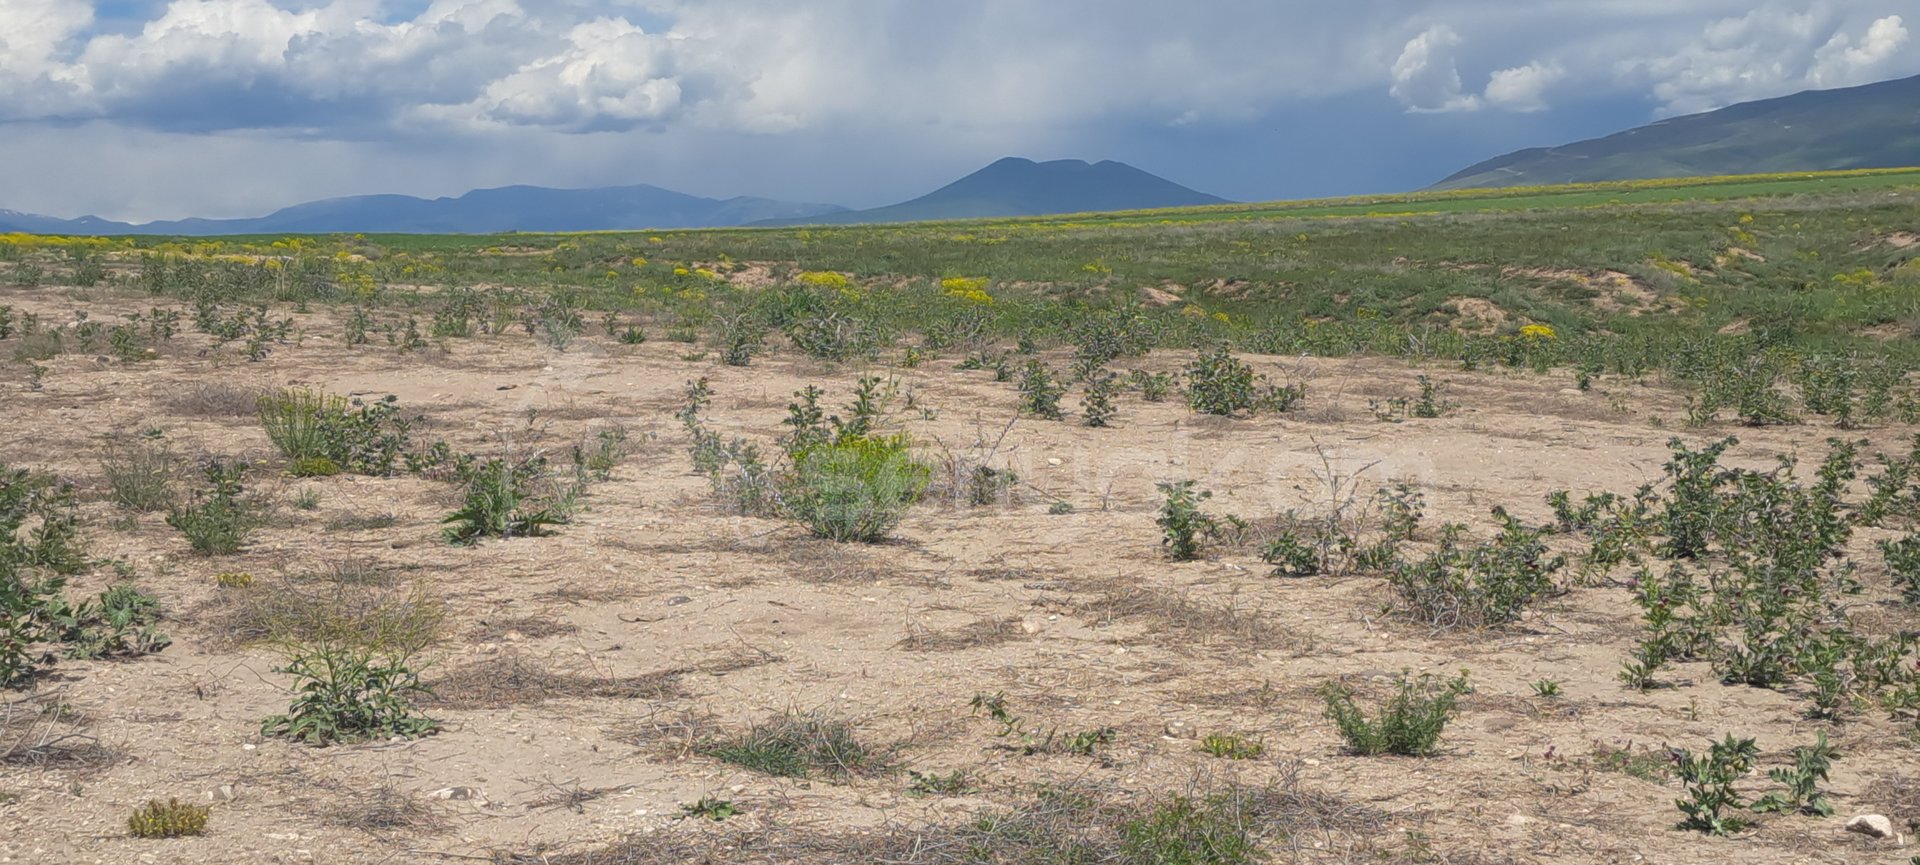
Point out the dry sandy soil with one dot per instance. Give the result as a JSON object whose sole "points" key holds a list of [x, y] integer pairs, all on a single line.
{"points": [[658, 615]]}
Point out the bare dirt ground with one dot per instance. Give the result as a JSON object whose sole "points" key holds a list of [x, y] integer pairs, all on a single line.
{"points": [[657, 617]]}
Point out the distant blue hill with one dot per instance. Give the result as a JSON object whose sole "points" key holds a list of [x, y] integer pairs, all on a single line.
{"points": [[484, 211], [1873, 126], [1022, 187]]}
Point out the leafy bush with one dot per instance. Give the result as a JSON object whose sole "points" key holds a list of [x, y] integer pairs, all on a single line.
{"points": [[1903, 565], [857, 489], [346, 694], [1478, 586], [169, 819], [1040, 391], [1183, 527], [1712, 805], [500, 503], [1097, 407], [322, 434], [1220, 384], [1811, 764], [218, 520], [122, 623], [1409, 724]]}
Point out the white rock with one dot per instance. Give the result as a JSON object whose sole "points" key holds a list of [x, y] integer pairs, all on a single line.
{"points": [[1871, 825]]}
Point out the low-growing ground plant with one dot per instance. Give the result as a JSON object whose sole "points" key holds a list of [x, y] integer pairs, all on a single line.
{"points": [[1811, 765], [1409, 724], [501, 503], [798, 745], [1231, 746], [1712, 805], [218, 519], [169, 819], [1080, 743], [856, 490], [346, 693], [1040, 391], [1478, 585], [1184, 528], [123, 622], [958, 782], [1220, 384]]}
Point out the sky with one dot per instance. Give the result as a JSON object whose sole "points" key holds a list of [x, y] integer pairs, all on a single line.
{"points": [[158, 109]]}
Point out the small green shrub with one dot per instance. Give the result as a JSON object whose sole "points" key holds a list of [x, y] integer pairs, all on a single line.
{"points": [[1477, 586], [858, 489], [1040, 391], [500, 503], [1189, 831], [322, 434], [1291, 557], [1220, 384], [169, 819], [1811, 764], [1903, 566], [1183, 527], [1409, 724], [1097, 407], [218, 519], [345, 694], [1712, 805]]}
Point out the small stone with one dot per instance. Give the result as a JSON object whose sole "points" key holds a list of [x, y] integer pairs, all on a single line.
{"points": [[1871, 825], [1518, 819], [677, 600], [1180, 730]]}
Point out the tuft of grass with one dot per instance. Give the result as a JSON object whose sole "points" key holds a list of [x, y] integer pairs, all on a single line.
{"points": [[337, 607], [798, 745], [140, 475], [169, 819], [1232, 746]]}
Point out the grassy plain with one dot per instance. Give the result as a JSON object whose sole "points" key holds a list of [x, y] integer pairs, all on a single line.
{"points": [[581, 579]]}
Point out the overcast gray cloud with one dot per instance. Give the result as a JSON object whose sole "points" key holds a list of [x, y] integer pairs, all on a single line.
{"points": [[290, 99]]}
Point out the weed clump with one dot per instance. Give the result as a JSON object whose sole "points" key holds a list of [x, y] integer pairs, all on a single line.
{"points": [[1220, 384], [1409, 724], [345, 694], [797, 745], [218, 519], [169, 819], [856, 489]]}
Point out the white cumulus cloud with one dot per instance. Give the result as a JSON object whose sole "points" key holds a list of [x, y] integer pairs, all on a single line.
{"points": [[1426, 77]]}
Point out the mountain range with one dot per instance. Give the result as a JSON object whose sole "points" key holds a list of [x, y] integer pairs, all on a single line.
{"points": [[1022, 187], [1009, 187], [1874, 126]]}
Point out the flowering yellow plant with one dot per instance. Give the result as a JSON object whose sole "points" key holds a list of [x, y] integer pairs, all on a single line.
{"points": [[1541, 332], [967, 288]]}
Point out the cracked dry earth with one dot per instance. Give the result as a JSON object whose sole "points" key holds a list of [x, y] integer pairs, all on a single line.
{"points": [[574, 669]]}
